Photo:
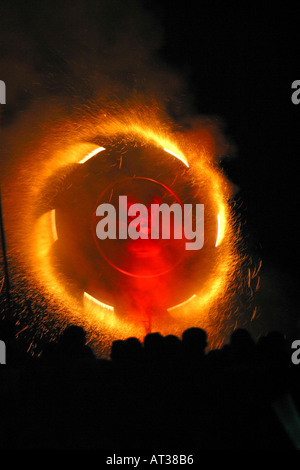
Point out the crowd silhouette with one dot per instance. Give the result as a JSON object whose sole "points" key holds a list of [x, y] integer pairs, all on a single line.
{"points": [[163, 393]]}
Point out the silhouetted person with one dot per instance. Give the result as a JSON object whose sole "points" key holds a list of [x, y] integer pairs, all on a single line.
{"points": [[71, 346], [242, 345], [132, 351], [172, 349], [274, 362], [116, 352], [154, 348], [272, 347], [194, 343]]}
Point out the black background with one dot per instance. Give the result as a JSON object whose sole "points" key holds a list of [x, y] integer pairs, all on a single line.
{"points": [[241, 61]]}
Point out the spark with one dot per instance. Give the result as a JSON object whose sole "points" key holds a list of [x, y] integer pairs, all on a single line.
{"points": [[182, 303], [98, 302], [2, 283], [21, 331], [254, 313], [178, 157], [92, 154]]}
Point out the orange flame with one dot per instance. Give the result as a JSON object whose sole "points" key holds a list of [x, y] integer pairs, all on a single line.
{"points": [[31, 237]]}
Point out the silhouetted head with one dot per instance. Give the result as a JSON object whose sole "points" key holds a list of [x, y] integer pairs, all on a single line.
{"points": [[172, 348], [194, 342], [272, 346], [73, 336], [172, 342], [116, 352], [154, 345], [241, 340], [132, 350]]}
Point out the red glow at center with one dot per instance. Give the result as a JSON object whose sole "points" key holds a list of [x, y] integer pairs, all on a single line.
{"points": [[143, 257]]}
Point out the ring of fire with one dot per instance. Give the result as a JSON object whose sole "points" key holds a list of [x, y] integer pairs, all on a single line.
{"points": [[54, 151]]}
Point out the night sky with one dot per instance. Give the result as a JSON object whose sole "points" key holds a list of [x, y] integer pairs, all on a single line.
{"points": [[240, 65]]}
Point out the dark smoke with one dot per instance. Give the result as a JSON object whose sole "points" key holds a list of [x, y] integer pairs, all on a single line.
{"points": [[72, 52]]}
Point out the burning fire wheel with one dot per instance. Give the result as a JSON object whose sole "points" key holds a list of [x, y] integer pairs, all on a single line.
{"points": [[118, 286], [139, 278]]}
